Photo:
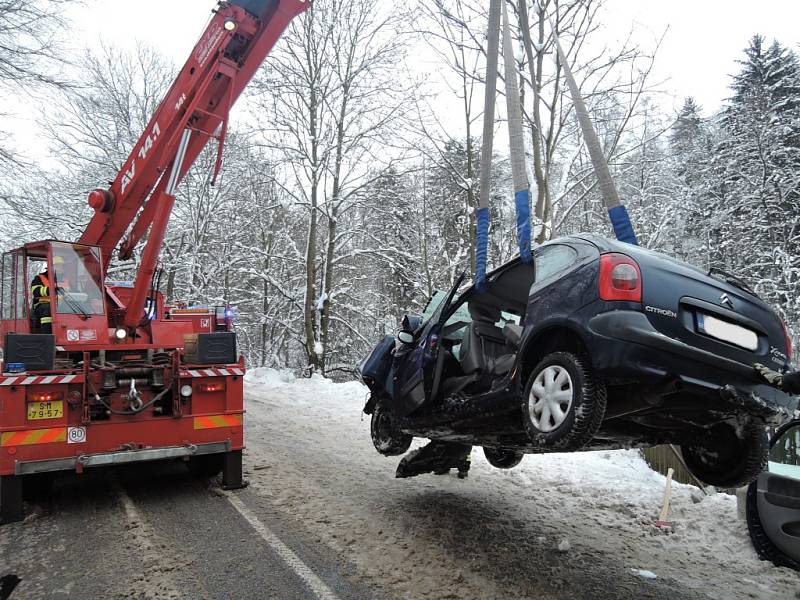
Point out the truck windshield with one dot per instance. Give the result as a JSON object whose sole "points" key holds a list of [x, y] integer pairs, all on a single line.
{"points": [[78, 280]]}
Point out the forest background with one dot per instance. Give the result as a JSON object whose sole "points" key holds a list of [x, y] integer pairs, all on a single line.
{"points": [[350, 180]]}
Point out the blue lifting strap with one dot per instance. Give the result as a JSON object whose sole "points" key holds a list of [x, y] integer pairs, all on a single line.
{"points": [[481, 246], [522, 199], [623, 228]]}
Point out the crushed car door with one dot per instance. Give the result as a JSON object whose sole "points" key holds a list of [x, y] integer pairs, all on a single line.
{"points": [[773, 501], [417, 363]]}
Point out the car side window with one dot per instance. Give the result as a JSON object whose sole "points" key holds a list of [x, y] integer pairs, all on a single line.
{"points": [[784, 456], [553, 259]]}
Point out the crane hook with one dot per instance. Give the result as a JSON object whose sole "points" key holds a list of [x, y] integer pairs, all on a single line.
{"points": [[134, 397]]}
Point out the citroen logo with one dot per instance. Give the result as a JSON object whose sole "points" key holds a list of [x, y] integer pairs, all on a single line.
{"points": [[725, 299]]}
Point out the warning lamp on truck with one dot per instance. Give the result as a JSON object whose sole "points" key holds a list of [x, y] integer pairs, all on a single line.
{"points": [[45, 396], [218, 386]]}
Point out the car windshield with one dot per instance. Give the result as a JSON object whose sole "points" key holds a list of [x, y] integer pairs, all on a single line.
{"points": [[434, 306], [78, 279]]}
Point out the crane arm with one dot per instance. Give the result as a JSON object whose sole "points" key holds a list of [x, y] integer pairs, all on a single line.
{"points": [[238, 38]]}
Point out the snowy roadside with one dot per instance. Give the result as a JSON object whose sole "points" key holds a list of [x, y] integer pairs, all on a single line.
{"points": [[569, 525]]}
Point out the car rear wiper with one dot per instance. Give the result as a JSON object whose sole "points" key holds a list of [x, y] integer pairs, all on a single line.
{"points": [[72, 304], [731, 279]]}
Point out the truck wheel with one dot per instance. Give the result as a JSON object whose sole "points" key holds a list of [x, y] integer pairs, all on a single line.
{"points": [[10, 498], [727, 460], [205, 466], [37, 486], [564, 403], [385, 437], [503, 458]]}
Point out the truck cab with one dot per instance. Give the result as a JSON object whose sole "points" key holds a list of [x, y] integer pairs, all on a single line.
{"points": [[76, 297]]}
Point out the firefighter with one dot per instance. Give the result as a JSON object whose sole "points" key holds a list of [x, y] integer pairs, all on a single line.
{"points": [[788, 382], [40, 292]]}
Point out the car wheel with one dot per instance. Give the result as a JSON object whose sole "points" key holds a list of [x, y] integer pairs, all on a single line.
{"points": [[764, 547], [385, 436], [503, 458], [205, 466], [564, 403], [727, 460]]}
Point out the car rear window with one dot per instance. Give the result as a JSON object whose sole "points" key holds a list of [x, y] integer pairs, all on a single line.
{"points": [[553, 259]]}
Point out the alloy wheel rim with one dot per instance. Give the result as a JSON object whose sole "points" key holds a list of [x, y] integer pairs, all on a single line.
{"points": [[550, 398]]}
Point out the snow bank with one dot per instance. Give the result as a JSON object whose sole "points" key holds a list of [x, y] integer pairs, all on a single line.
{"points": [[308, 390]]}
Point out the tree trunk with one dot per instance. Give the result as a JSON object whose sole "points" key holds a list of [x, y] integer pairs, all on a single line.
{"points": [[310, 304], [539, 171]]}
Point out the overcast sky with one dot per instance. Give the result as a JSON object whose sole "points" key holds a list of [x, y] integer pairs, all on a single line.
{"points": [[703, 38]]}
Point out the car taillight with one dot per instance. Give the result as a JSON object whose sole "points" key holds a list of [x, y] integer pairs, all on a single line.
{"points": [[212, 387], [45, 396], [620, 278], [788, 341]]}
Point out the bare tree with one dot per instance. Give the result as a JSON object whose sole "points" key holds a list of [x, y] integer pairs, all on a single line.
{"points": [[455, 31], [340, 93], [614, 83], [94, 124], [29, 46]]}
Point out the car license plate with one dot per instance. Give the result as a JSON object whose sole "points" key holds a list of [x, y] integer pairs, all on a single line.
{"points": [[45, 410], [727, 332]]}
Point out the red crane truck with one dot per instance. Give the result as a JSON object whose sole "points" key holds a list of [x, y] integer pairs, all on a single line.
{"points": [[120, 376]]}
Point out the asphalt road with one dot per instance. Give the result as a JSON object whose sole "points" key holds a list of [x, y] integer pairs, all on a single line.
{"points": [[154, 531]]}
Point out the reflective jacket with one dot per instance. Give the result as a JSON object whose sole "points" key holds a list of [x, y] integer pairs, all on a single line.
{"points": [[40, 289]]}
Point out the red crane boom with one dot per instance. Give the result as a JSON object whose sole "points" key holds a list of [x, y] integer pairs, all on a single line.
{"points": [[237, 40]]}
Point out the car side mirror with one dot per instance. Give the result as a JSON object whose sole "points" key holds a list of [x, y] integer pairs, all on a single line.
{"points": [[411, 322], [406, 337]]}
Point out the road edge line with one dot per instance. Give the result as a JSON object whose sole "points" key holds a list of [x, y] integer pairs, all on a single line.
{"points": [[314, 583]]}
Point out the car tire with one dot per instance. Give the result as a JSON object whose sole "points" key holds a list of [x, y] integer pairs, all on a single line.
{"points": [[725, 459], [205, 466], [581, 410], [503, 458], [385, 436], [765, 549]]}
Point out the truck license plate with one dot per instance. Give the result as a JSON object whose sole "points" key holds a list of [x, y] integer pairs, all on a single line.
{"points": [[727, 332], [45, 410]]}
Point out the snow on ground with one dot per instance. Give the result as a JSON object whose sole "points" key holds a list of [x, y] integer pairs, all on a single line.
{"points": [[559, 525]]}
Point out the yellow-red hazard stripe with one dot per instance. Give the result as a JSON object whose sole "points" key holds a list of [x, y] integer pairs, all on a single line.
{"points": [[213, 421], [33, 436]]}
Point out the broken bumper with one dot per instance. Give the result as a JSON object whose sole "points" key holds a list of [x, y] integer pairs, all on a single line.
{"points": [[624, 344]]}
